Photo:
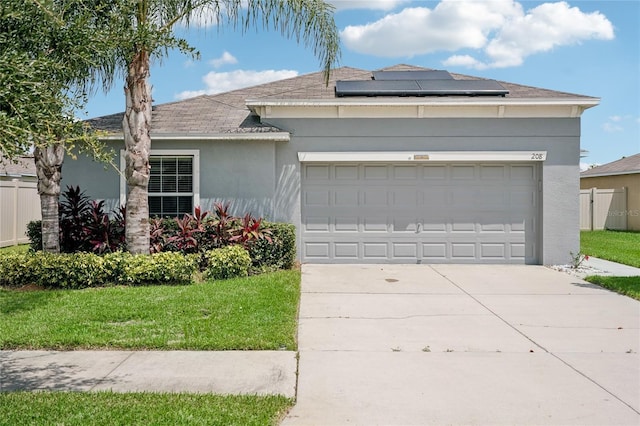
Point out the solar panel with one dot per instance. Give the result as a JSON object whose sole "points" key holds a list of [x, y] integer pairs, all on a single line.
{"points": [[412, 75], [447, 87], [461, 87]]}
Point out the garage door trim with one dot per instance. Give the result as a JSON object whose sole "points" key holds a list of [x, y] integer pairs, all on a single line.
{"points": [[422, 156]]}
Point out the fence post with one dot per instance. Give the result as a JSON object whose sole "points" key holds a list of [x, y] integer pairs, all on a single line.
{"points": [[16, 188], [592, 207]]}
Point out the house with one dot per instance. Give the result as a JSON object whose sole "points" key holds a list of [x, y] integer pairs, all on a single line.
{"points": [[19, 199], [404, 164], [623, 173]]}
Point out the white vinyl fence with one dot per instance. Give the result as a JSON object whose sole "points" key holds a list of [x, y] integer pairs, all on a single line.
{"points": [[603, 209], [19, 204]]}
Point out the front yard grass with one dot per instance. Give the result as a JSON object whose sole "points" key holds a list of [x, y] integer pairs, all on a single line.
{"points": [[106, 408], [616, 246], [252, 313], [629, 286]]}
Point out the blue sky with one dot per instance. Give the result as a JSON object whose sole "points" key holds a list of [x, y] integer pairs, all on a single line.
{"points": [[584, 47]]}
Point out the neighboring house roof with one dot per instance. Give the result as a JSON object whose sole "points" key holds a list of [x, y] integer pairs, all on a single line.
{"points": [[23, 166], [227, 113], [624, 166]]}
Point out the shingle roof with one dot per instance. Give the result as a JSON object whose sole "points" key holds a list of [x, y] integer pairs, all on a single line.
{"points": [[626, 165], [227, 112], [23, 166]]}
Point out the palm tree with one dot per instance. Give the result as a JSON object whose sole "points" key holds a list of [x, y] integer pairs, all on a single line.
{"points": [[144, 29], [49, 56]]}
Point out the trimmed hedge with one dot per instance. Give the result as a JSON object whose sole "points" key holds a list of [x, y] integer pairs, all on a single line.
{"points": [[227, 262], [280, 253], [82, 270]]}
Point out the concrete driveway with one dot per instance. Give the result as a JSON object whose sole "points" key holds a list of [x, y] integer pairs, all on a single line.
{"points": [[453, 344]]}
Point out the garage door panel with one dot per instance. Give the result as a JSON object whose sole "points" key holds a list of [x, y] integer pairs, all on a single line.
{"points": [[405, 172], [313, 172], [375, 251], [346, 250], [493, 251], [317, 224], [435, 251], [405, 224], [346, 197], [419, 213], [346, 224], [316, 198], [375, 224], [434, 173], [463, 172], [494, 172], [376, 172], [346, 172]]}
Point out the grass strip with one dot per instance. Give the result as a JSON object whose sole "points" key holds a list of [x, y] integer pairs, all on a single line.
{"points": [[252, 313], [107, 408], [629, 286], [616, 246]]}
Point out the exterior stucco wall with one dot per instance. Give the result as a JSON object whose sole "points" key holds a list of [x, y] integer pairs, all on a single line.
{"points": [[239, 172], [631, 182], [560, 172]]}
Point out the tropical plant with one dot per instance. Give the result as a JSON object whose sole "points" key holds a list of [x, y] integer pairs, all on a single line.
{"points": [[144, 29], [49, 50]]}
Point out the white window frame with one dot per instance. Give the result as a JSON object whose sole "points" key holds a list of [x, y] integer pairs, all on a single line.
{"points": [[195, 153]]}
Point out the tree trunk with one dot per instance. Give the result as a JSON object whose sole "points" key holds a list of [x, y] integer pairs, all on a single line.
{"points": [[49, 170], [137, 139]]}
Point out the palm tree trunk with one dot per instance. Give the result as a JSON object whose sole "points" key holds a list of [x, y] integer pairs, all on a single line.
{"points": [[137, 139], [49, 170]]}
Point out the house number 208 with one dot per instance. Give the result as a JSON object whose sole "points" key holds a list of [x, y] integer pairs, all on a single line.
{"points": [[537, 156]]}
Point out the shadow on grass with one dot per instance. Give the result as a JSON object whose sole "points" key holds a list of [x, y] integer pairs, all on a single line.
{"points": [[15, 300]]}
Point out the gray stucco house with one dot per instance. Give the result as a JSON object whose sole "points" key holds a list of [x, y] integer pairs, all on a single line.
{"points": [[404, 164]]}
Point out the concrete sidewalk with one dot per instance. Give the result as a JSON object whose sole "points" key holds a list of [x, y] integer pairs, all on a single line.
{"points": [[464, 344], [607, 268], [228, 372]]}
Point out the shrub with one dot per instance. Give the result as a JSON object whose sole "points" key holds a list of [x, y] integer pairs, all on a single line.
{"points": [[34, 232], [227, 262], [16, 269], [81, 270], [77, 270], [158, 268], [280, 253]]}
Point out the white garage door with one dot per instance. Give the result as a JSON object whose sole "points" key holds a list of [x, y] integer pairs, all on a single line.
{"points": [[429, 213]]}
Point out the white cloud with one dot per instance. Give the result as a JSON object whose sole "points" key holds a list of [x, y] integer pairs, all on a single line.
{"points": [[367, 4], [617, 123], [500, 28], [226, 59], [218, 82]]}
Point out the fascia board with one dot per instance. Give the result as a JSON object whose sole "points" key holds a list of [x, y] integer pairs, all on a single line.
{"points": [[263, 137]]}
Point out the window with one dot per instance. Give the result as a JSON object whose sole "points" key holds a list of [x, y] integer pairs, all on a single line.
{"points": [[170, 186], [173, 182]]}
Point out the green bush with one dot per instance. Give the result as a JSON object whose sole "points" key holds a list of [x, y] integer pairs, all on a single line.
{"points": [[158, 268], [16, 269], [34, 232], [227, 262], [280, 253], [82, 270]]}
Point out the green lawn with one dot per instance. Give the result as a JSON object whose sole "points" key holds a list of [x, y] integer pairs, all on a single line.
{"points": [[256, 313], [23, 248], [617, 246], [629, 286], [106, 408]]}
